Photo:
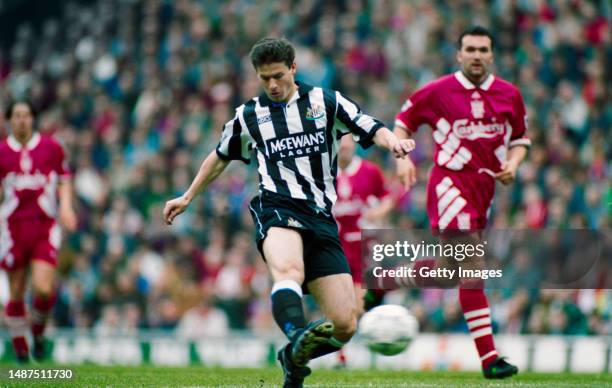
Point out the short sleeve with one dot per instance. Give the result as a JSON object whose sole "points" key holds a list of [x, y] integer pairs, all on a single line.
{"points": [[236, 142], [416, 110], [350, 119], [519, 123]]}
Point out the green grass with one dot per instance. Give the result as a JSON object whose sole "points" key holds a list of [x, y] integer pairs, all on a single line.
{"points": [[148, 376]]}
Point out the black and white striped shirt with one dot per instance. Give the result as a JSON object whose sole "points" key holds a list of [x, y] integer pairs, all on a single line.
{"points": [[297, 142]]}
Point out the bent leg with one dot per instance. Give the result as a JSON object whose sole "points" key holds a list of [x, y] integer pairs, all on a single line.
{"points": [[335, 295]]}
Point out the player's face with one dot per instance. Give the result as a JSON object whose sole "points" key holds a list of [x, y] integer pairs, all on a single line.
{"points": [[277, 80], [475, 56], [346, 151], [21, 119]]}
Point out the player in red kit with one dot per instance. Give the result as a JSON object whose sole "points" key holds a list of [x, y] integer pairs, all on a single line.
{"points": [[363, 203], [478, 122], [33, 172]]}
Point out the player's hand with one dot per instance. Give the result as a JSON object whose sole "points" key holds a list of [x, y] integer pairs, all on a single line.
{"points": [[507, 173], [402, 148], [68, 218], [406, 172], [174, 207]]}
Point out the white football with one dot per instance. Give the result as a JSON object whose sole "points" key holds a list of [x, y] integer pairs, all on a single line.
{"points": [[388, 329]]}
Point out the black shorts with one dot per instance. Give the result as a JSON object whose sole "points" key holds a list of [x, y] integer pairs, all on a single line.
{"points": [[323, 254]]}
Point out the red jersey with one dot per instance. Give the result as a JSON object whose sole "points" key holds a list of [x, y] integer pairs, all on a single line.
{"points": [[473, 126], [29, 176], [360, 186]]}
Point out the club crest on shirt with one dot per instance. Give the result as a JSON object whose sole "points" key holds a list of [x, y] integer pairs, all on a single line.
{"points": [[25, 162], [477, 106], [315, 112], [264, 119]]}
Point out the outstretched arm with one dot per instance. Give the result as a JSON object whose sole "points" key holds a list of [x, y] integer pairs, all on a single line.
{"points": [[399, 147], [210, 169]]}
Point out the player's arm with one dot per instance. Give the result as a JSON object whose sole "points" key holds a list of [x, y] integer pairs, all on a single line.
{"points": [[367, 129], [404, 168], [380, 211], [236, 144], [67, 215], [519, 142], [399, 147], [210, 169], [516, 155]]}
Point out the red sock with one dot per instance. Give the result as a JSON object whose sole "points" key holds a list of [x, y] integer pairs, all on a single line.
{"points": [[478, 317], [18, 326], [40, 312], [341, 357]]}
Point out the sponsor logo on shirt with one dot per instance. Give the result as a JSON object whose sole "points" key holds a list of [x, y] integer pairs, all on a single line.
{"points": [[472, 130], [296, 145], [25, 181]]}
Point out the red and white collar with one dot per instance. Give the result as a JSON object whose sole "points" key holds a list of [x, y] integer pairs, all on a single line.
{"points": [[353, 166], [16, 146], [466, 83]]}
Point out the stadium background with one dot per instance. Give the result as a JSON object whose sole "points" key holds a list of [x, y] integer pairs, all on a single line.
{"points": [[138, 92]]}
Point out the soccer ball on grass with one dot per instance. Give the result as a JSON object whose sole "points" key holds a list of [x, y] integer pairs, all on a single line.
{"points": [[388, 329]]}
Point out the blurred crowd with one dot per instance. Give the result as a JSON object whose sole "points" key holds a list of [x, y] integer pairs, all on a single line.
{"points": [[138, 92]]}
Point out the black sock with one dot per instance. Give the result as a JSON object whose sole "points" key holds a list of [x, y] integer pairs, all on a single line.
{"points": [[333, 345], [288, 312]]}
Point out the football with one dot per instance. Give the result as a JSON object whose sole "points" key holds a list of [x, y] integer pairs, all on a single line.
{"points": [[388, 329]]}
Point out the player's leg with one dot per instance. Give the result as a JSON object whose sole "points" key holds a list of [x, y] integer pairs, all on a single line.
{"points": [[43, 300], [16, 313], [360, 293], [283, 250], [335, 295], [477, 313]]}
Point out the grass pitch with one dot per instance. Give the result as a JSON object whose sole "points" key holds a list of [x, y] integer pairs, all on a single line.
{"points": [[151, 376]]}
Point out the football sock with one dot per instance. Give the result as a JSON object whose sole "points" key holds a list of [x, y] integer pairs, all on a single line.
{"points": [[478, 317], [40, 313], [17, 326], [287, 307], [332, 345]]}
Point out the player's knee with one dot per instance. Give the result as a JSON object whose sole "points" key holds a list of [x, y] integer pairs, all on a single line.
{"points": [[288, 273], [44, 290], [345, 326]]}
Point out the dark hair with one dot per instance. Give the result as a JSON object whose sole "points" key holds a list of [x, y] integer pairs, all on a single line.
{"points": [[9, 109], [478, 31], [271, 50]]}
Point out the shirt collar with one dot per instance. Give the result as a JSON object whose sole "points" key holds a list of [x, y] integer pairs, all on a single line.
{"points": [[302, 91], [466, 83], [16, 146]]}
